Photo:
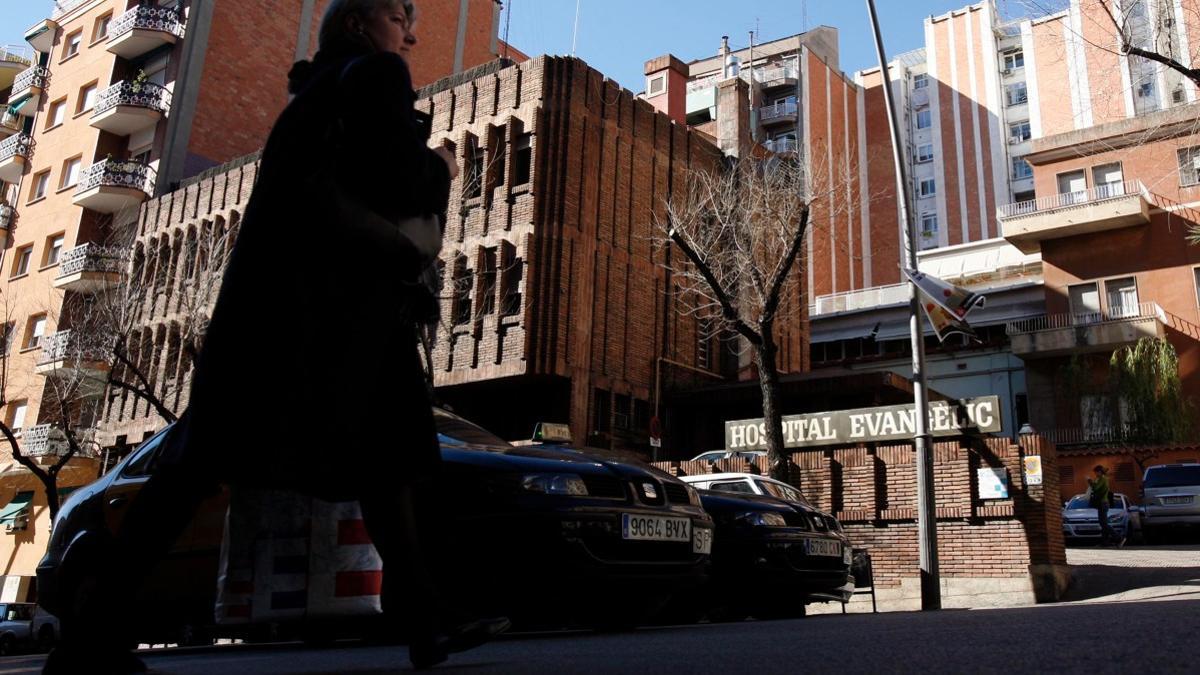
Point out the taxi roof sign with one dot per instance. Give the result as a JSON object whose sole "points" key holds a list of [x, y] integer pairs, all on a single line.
{"points": [[549, 432]]}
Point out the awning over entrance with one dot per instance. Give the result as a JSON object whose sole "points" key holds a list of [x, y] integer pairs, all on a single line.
{"points": [[16, 508]]}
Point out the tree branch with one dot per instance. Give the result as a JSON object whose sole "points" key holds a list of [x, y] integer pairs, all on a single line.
{"points": [[781, 274], [727, 309], [163, 411]]}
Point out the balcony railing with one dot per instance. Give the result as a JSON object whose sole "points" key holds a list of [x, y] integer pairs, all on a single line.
{"points": [[16, 54], [37, 76], [137, 94], [131, 175], [1068, 200], [49, 440], [1140, 311], [61, 7], [778, 111], [15, 153], [866, 298], [703, 83], [10, 124], [91, 258], [74, 347], [782, 145], [147, 17]]}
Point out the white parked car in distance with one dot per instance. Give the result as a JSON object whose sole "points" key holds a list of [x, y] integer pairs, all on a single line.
{"points": [[718, 455]]}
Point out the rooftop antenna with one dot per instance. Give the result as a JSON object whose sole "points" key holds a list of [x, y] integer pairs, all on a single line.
{"points": [[575, 34], [507, 23], [803, 16]]}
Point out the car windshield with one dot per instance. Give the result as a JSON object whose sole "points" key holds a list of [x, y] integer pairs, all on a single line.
{"points": [[710, 457], [785, 492], [457, 431], [1081, 502], [1172, 476], [733, 486]]}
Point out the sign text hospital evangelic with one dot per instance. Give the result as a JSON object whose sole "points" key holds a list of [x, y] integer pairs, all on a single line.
{"points": [[885, 423]]}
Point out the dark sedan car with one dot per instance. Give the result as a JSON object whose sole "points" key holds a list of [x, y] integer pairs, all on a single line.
{"points": [[524, 531], [794, 554]]}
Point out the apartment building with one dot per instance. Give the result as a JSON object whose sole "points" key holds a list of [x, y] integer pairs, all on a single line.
{"points": [[116, 102]]}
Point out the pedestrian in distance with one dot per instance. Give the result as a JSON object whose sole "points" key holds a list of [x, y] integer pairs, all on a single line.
{"points": [[1099, 496], [347, 181]]}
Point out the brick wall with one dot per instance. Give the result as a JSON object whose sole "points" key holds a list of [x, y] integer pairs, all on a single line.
{"points": [[872, 490]]}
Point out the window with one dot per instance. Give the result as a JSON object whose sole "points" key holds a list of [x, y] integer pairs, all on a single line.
{"points": [[1085, 303], [522, 159], [927, 187], [40, 182], [142, 463], [924, 119], [656, 85], [70, 172], [460, 308], [1146, 90], [1122, 297], [6, 336], [925, 153], [487, 281], [1073, 186], [920, 81], [1016, 94], [54, 245], [34, 331], [1014, 59], [21, 260], [740, 486], [1196, 283], [16, 415], [510, 280], [100, 30], [1019, 131], [57, 113], [929, 224], [1021, 169], [87, 97], [601, 410], [1189, 165], [1108, 179], [71, 44], [473, 173]]}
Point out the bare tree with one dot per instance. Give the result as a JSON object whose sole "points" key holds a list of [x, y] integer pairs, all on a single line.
{"points": [[69, 406], [741, 228]]}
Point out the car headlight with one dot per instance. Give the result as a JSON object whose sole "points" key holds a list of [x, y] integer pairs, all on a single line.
{"points": [[762, 519], [693, 495], [555, 484]]}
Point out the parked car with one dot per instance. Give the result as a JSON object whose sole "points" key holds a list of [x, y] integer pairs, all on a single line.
{"points": [[1080, 522], [1170, 497], [717, 455], [25, 627], [559, 532], [773, 552]]}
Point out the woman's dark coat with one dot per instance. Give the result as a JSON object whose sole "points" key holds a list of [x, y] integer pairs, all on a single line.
{"points": [[309, 377]]}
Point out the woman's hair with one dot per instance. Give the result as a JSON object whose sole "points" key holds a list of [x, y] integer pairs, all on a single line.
{"points": [[1100, 468], [335, 36]]}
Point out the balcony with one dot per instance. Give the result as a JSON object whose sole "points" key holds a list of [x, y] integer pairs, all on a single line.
{"points": [[41, 36], [782, 146], [15, 153], [28, 89], [10, 124], [49, 442], [128, 107], [90, 268], [1104, 207], [73, 353], [784, 112], [1065, 334], [143, 29], [13, 61], [111, 186]]}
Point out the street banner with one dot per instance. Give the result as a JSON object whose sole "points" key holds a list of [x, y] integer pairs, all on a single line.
{"points": [[884, 423], [957, 301], [943, 322]]}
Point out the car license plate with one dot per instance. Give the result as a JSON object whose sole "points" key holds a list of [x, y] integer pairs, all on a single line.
{"points": [[1178, 500], [655, 528], [702, 540], [822, 547]]}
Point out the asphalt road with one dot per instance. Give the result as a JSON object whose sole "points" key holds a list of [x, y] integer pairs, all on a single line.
{"points": [[1111, 637]]}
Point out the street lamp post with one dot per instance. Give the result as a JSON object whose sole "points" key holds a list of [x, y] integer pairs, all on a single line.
{"points": [[931, 592]]}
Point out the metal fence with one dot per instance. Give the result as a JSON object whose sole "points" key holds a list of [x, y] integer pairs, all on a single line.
{"points": [[1120, 313]]}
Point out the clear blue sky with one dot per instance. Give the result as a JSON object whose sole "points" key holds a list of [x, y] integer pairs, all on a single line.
{"points": [[618, 36]]}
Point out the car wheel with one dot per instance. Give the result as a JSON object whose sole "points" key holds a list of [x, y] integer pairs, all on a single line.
{"points": [[46, 638]]}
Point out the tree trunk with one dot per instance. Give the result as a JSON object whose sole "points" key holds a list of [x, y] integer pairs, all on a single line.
{"points": [[768, 381]]}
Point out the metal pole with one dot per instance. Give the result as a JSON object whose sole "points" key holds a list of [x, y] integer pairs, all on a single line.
{"points": [[931, 592]]}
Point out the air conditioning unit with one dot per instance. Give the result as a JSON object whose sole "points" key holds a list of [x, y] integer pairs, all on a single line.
{"points": [[1006, 71], [1177, 95], [1013, 140], [18, 524]]}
